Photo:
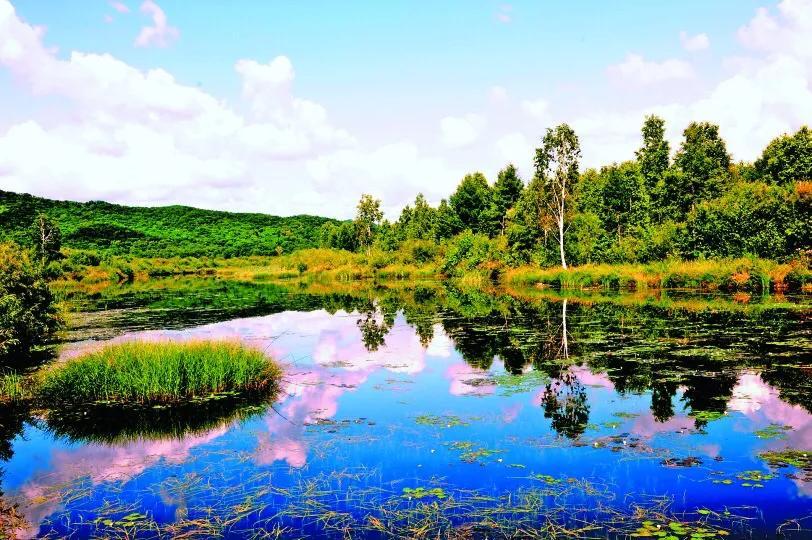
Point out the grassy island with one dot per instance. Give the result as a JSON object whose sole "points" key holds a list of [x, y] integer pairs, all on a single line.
{"points": [[157, 373]]}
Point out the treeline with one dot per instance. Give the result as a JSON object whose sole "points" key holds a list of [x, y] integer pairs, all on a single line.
{"points": [[170, 231], [696, 204]]}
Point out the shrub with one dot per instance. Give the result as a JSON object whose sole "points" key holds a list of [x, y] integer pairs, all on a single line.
{"points": [[28, 316]]}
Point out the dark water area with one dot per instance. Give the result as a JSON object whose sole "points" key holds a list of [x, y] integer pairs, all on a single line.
{"points": [[421, 410]]}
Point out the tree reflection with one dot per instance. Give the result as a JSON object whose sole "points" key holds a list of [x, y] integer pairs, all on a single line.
{"points": [[565, 403]]}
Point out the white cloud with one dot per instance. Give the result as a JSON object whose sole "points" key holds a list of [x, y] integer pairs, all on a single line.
{"points": [[160, 34], [536, 108], [637, 70], [143, 137], [120, 7], [498, 95], [698, 42], [516, 148], [788, 32], [461, 131]]}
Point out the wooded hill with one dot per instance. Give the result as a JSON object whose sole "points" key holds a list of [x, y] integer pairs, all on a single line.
{"points": [[164, 231]]}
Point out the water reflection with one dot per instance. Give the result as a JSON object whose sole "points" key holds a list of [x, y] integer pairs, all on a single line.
{"points": [[394, 379]]}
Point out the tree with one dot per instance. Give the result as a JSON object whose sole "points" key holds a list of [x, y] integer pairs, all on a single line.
{"points": [[28, 314], [506, 192], [47, 238], [787, 158], [418, 222], [653, 155], [448, 222], [472, 201], [557, 166], [704, 161], [369, 215]]}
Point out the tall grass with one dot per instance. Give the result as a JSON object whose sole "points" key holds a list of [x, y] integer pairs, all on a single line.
{"points": [[12, 388], [157, 372], [743, 274]]}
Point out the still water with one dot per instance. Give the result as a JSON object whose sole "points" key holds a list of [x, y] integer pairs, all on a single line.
{"points": [[426, 411]]}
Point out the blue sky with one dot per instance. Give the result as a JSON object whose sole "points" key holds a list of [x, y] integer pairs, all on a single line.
{"points": [[390, 98]]}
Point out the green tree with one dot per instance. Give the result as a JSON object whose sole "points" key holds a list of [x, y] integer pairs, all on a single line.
{"points": [[506, 192], [625, 198], [28, 315], [557, 166], [448, 222], [418, 222], [472, 201], [368, 216], [47, 238], [653, 156], [704, 161], [787, 158]]}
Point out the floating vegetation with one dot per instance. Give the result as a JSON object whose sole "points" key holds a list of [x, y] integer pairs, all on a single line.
{"points": [[801, 459], [686, 462], [625, 415], [445, 420], [754, 478], [773, 431], [509, 384], [469, 453], [423, 493], [706, 416], [676, 530]]}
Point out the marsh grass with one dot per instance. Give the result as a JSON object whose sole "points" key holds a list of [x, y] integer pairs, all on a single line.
{"points": [[12, 388], [157, 373], [743, 274]]}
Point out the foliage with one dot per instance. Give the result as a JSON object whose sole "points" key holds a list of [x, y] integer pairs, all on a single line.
{"points": [[28, 315], [556, 164], [158, 231], [367, 218], [157, 372], [472, 203], [787, 159]]}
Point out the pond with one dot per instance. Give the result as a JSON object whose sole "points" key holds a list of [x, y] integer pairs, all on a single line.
{"points": [[421, 410]]}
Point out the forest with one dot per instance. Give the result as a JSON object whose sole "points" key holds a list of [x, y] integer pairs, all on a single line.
{"points": [[697, 205]]}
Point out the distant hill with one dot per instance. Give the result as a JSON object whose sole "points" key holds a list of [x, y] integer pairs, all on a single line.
{"points": [[162, 231]]}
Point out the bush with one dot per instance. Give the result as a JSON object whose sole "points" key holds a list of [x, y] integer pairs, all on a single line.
{"points": [[28, 316]]}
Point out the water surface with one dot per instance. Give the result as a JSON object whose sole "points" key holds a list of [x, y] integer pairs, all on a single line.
{"points": [[423, 410]]}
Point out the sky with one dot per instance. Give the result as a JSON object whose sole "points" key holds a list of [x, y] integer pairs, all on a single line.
{"points": [[289, 107]]}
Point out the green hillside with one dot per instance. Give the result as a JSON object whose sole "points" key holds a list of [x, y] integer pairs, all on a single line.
{"points": [[163, 231]]}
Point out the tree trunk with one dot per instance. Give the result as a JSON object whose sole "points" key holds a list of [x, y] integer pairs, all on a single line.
{"points": [[561, 242]]}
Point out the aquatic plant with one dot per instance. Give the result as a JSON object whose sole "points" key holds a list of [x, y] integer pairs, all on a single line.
{"points": [[157, 372]]}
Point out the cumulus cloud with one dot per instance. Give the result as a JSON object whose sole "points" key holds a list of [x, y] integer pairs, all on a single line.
{"points": [[143, 137], [698, 42], [458, 132], [160, 34], [637, 70], [784, 32], [536, 108]]}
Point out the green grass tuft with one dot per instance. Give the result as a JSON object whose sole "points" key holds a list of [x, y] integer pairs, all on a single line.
{"points": [[157, 372]]}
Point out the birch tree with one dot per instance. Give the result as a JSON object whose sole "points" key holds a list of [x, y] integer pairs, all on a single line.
{"points": [[47, 238], [369, 215], [557, 166]]}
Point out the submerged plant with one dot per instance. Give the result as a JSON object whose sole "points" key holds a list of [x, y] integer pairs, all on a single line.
{"points": [[157, 372]]}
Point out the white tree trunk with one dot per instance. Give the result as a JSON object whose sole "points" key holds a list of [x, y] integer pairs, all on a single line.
{"points": [[561, 240]]}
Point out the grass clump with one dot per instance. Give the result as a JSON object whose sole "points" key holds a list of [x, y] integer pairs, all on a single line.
{"points": [[158, 373]]}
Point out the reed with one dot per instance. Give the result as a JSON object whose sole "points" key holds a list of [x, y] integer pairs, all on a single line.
{"points": [[161, 372]]}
